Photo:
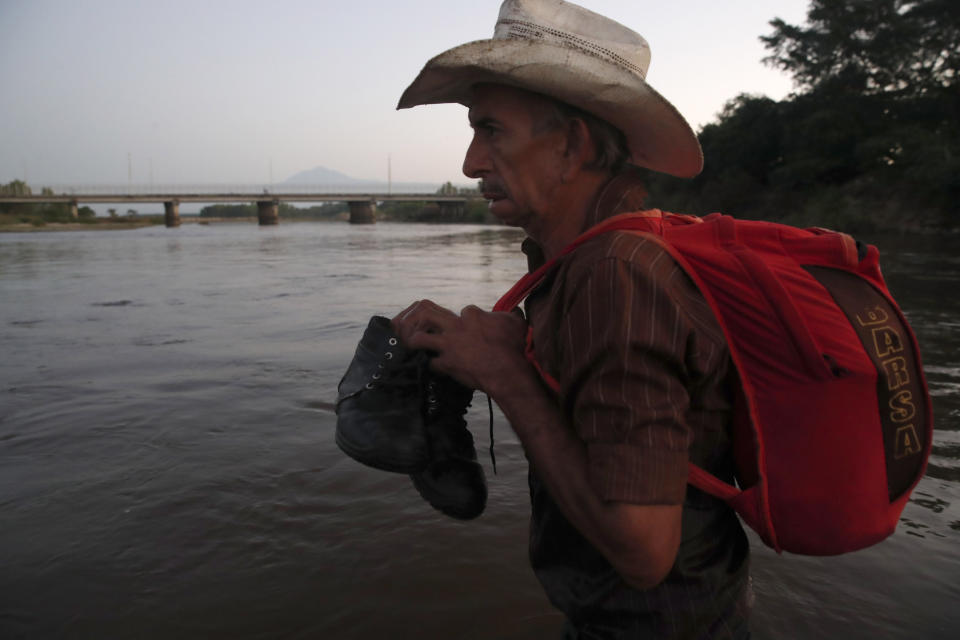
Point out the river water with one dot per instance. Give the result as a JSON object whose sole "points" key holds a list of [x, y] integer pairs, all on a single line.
{"points": [[168, 468]]}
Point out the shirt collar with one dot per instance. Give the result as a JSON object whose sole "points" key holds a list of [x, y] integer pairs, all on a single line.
{"points": [[623, 193]]}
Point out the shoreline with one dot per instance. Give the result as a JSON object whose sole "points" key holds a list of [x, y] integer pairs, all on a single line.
{"points": [[27, 227], [50, 227]]}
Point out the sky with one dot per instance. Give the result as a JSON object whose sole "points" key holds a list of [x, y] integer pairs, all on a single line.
{"points": [[102, 92]]}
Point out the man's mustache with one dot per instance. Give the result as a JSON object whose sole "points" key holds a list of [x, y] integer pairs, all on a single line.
{"points": [[492, 188]]}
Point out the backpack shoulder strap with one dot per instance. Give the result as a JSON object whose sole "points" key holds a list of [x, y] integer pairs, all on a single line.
{"points": [[652, 222]]}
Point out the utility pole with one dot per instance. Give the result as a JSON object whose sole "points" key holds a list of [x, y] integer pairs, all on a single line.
{"points": [[389, 176], [129, 172]]}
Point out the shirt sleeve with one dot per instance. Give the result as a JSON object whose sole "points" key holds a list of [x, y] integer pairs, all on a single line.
{"points": [[623, 377]]}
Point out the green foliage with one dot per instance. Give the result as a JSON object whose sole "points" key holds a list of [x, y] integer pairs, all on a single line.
{"points": [[476, 211], [472, 211], [905, 47], [323, 211], [32, 213], [408, 211], [53, 212], [447, 189], [15, 188], [229, 211], [871, 139], [42, 214]]}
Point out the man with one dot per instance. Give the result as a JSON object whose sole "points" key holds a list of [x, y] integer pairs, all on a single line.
{"points": [[560, 110]]}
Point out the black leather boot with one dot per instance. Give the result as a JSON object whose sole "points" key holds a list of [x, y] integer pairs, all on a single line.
{"points": [[379, 406], [453, 481]]}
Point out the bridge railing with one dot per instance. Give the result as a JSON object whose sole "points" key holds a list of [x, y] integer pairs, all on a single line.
{"points": [[220, 189]]}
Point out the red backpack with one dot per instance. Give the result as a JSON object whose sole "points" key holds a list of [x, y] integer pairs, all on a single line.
{"points": [[832, 423]]}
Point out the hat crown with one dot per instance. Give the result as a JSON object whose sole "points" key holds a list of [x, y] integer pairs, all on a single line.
{"points": [[569, 25], [578, 57]]}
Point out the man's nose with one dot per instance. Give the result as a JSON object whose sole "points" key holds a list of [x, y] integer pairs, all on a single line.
{"points": [[475, 162]]}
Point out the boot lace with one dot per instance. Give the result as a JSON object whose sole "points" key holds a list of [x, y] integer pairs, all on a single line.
{"points": [[493, 457], [448, 412], [404, 379]]}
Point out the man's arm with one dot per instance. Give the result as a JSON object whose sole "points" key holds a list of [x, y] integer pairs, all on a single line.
{"points": [[485, 351]]}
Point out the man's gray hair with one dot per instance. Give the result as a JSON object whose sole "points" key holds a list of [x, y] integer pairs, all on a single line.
{"points": [[610, 145]]}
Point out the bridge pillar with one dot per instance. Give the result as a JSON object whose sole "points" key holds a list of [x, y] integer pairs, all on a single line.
{"points": [[451, 210], [74, 209], [268, 212], [362, 212], [171, 213]]}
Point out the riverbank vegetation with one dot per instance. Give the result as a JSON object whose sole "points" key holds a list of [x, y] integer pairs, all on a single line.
{"points": [[320, 212], [869, 141], [56, 215], [474, 210]]}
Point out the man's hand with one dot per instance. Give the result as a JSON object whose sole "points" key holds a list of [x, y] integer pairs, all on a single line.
{"points": [[486, 351], [480, 349]]}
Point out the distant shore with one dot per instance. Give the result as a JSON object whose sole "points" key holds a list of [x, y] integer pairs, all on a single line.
{"points": [[21, 227], [106, 224]]}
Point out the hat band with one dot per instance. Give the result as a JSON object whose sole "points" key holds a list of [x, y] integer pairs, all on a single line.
{"points": [[523, 30]]}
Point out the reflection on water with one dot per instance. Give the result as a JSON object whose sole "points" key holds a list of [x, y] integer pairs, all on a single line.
{"points": [[169, 467]]}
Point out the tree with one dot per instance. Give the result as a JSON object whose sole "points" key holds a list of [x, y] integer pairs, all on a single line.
{"points": [[15, 188], [882, 79], [898, 47], [53, 211], [447, 189], [871, 137], [228, 211]]}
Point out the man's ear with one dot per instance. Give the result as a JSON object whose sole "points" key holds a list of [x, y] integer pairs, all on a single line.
{"points": [[579, 152]]}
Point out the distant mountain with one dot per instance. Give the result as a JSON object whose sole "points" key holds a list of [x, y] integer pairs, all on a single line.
{"points": [[322, 175], [334, 181]]}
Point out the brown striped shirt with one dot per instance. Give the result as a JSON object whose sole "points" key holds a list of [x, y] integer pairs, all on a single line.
{"points": [[644, 372]]}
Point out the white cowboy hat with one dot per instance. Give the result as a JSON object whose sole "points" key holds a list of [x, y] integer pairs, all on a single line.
{"points": [[579, 57]]}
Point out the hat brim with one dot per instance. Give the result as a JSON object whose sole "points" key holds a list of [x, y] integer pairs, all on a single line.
{"points": [[657, 135]]}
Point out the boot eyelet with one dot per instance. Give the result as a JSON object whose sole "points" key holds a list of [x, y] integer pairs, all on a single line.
{"points": [[376, 376], [388, 355], [369, 385], [392, 341]]}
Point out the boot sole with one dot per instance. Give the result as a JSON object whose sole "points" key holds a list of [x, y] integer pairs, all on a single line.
{"points": [[448, 506], [375, 459]]}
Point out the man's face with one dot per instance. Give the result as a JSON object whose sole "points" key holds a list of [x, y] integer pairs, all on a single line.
{"points": [[519, 165]]}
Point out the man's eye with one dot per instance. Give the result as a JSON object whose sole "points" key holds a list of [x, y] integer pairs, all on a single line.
{"points": [[485, 128]]}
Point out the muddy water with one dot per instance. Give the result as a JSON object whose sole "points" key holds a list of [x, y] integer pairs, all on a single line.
{"points": [[167, 465]]}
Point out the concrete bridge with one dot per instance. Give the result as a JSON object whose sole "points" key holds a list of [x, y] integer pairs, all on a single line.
{"points": [[362, 205]]}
